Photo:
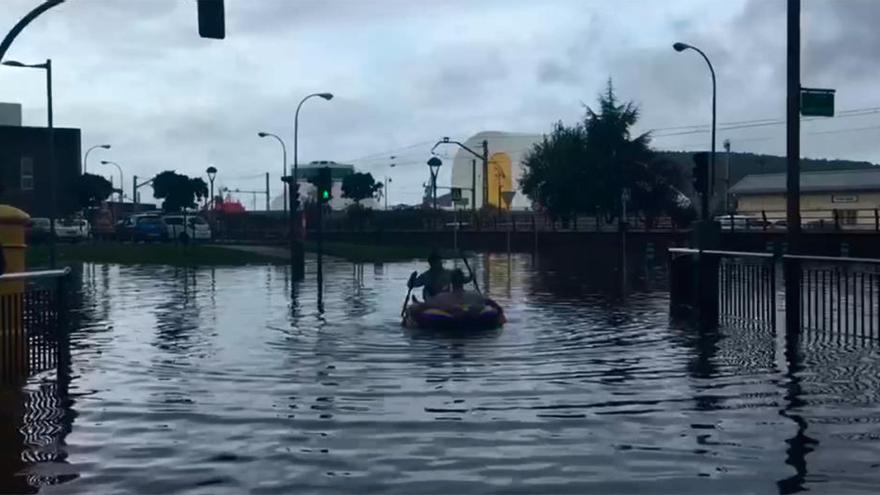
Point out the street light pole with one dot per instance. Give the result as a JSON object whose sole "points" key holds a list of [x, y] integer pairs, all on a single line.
{"points": [[297, 256], [53, 192], [483, 157], [121, 179], [680, 47], [86, 159], [283, 165]]}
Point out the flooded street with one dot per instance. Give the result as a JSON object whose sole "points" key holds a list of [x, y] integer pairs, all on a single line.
{"points": [[224, 381]]}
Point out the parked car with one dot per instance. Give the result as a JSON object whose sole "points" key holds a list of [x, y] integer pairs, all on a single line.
{"points": [[74, 230], [38, 230], [197, 228], [145, 227]]}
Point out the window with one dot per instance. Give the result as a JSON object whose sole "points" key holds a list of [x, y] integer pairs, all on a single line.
{"points": [[27, 173]]}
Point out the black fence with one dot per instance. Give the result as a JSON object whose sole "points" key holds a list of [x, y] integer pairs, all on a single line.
{"points": [[723, 287], [840, 295], [33, 332], [746, 288]]}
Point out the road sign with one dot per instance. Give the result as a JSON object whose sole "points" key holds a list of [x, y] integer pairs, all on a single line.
{"points": [[507, 196], [456, 193], [817, 102]]}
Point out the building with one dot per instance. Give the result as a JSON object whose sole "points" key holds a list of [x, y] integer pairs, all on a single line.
{"points": [[849, 196], [26, 173], [338, 171], [506, 152]]}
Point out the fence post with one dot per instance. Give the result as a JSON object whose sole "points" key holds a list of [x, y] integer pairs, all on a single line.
{"points": [[707, 290], [764, 219], [836, 220], [62, 330]]}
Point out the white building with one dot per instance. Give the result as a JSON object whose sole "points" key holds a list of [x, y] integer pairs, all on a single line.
{"points": [[338, 171], [506, 152]]}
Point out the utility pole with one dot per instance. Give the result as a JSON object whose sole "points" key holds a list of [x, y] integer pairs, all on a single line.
{"points": [[792, 150], [473, 185], [727, 177], [134, 193], [485, 172]]}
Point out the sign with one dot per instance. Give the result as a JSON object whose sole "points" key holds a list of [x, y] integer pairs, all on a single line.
{"points": [[507, 196], [456, 193], [461, 201], [817, 102], [844, 198]]}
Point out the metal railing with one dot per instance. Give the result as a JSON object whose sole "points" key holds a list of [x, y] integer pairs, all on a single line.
{"points": [[840, 295], [737, 287], [33, 333], [821, 220]]}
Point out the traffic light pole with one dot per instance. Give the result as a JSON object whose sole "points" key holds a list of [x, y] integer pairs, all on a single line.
{"points": [[320, 257], [294, 227]]}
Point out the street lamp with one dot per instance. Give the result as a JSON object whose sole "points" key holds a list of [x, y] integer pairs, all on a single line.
{"points": [[86, 159], [434, 164], [212, 173], [121, 179], [53, 193], [284, 164], [680, 47], [296, 251]]}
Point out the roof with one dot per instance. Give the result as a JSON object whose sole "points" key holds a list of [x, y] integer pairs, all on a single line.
{"points": [[827, 181], [337, 170]]}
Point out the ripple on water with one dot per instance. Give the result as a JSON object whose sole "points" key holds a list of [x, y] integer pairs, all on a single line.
{"points": [[226, 380]]}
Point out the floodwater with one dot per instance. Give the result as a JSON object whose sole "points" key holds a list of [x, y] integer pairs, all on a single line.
{"points": [[225, 380]]}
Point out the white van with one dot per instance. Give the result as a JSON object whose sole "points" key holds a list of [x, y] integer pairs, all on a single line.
{"points": [[197, 228], [738, 222]]}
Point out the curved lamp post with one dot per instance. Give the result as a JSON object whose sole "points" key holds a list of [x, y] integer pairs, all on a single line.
{"points": [[121, 179], [283, 165], [297, 259], [86, 158], [680, 47]]}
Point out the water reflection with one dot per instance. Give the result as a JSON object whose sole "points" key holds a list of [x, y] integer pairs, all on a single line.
{"points": [[229, 380]]}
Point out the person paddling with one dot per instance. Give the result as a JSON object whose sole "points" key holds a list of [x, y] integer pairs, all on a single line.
{"points": [[434, 281]]}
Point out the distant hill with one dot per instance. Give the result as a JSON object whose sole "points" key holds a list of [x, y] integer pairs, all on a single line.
{"points": [[742, 164]]}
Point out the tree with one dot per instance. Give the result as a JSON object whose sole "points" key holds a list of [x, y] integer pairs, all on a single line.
{"points": [[178, 191], [585, 168], [91, 190], [359, 186]]}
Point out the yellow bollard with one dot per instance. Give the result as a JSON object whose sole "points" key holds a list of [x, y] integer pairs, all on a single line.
{"points": [[13, 344]]}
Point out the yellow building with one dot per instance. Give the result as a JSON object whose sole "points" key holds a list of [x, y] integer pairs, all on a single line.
{"points": [[850, 197]]}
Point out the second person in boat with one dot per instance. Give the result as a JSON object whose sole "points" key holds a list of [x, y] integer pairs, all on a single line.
{"points": [[436, 280]]}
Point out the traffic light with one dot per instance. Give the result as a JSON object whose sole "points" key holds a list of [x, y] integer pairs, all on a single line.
{"points": [[325, 185], [701, 172], [294, 197], [212, 19]]}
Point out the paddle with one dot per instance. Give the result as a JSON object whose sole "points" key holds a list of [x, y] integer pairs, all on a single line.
{"points": [[470, 272], [408, 292]]}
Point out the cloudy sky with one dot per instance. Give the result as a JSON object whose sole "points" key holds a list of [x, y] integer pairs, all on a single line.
{"points": [[134, 73]]}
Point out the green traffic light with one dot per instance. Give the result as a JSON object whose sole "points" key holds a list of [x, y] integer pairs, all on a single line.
{"points": [[325, 194]]}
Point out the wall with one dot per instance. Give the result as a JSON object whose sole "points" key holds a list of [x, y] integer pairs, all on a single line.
{"points": [[18, 142]]}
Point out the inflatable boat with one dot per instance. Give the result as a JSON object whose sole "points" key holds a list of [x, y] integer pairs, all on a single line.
{"points": [[444, 315]]}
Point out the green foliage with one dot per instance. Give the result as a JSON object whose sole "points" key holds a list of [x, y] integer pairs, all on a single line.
{"points": [[178, 191], [91, 190], [360, 186], [583, 169]]}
